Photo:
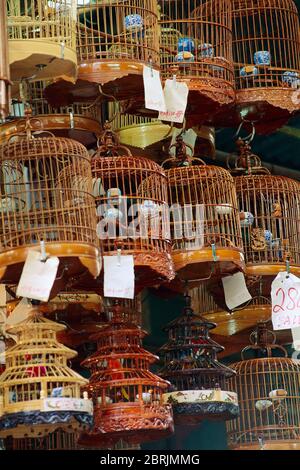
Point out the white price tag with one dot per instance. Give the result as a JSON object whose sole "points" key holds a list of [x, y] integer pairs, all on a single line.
{"points": [[37, 277], [235, 290], [20, 313], [154, 95], [119, 276], [176, 95], [285, 296]]}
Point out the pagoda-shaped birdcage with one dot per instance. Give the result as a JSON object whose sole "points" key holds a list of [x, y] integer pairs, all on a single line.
{"points": [[267, 385], [198, 380], [127, 396], [131, 198], [204, 219], [266, 52], [42, 38], [196, 45], [39, 393], [47, 195]]}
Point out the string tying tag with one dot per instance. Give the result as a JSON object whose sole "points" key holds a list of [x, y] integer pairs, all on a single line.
{"points": [[119, 256], [43, 251]]}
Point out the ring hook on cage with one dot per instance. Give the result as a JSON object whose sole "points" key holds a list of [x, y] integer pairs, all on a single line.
{"points": [[249, 138]]}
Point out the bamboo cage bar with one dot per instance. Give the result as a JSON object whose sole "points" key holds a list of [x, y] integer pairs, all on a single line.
{"points": [[4, 63], [57, 440]]}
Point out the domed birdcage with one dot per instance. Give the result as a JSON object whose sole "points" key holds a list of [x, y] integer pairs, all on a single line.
{"points": [[198, 380], [268, 392], [39, 393], [269, 208], [196, 46], [131, 198], [46, 194], [4, 64], [127, 396], [42, 38], [205, 226], [266, 53]]}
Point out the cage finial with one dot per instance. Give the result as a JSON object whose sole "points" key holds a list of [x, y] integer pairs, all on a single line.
{"points": [[263, 340]]}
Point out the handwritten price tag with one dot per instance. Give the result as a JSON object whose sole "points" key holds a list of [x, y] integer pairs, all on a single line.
{"points": [[235, 290], [176, 95], [285, 296], [154, 95], [119, 276]]}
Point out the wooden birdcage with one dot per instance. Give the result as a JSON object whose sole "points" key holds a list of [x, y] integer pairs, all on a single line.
{"points": [[268, 393], [204, 219], [131, 198], [4, 63], [46, 194], [266, 52], [198, 388], [127, 396], [269, 209], [60, 439], [39, 393], [42, 38], [115, 39], [196, 46]]}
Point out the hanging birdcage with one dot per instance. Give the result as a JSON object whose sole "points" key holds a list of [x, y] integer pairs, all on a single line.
{"points": [[268, 393], [266, 52], [131, 198], [196, 46], [39, 393], [198, 388], [46, 195], [205, 226], [127, 396], [4, 64], [60, 439], [269, 213], [42, 38]]}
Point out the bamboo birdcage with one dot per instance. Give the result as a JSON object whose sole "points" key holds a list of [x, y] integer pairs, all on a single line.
{"points": [[42, 38], [266, 52], [115, 39], [46, 194], [198, 388], [131, 198], [127, 396], [204, 220], [268, 392], [39, 393], [269, 208], [4, 63], [196, 45]]}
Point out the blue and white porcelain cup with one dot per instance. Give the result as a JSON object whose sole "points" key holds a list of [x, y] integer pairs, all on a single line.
{"points": [[290, 77], [262, 58], [186, 45], [246, 218], [268, 236], [133, 22], [248, 71], [206, 51], [185, 58]]}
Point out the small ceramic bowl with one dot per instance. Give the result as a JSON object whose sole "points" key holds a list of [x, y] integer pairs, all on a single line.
{"points": [[133, 22], [206, 51], [262, 58], [290, 77], [186, 45], [185, 58], [268, 236], [248, 71]]}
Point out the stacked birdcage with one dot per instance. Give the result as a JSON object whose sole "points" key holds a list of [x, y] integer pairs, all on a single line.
{"points": [[204, 219], [47, 196], [131, 198], [199, 387], [42, 38], [39, 393], [127, 396], [266, 52], [196, 46], [268, 390]]}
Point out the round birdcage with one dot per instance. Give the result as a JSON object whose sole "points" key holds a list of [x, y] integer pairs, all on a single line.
{"points": [[131, 198], [115, 39], [60, 439], [268, 393], [198, 388], [127, 396], [269, 209], [47, 196], [42, 38], [39, 393], [196, 46], [204, 219], [4, 64], [266, 52]]}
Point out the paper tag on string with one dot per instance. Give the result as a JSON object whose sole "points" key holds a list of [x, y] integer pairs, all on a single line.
{"points": [[235, 290], [285, 295], [176, 95], [37, 277], [119, 276], [154, 95]]}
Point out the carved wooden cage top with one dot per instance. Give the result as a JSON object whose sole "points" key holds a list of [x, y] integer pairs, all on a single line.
{"points": [[125, 30], [197, 38], [266, 44]]}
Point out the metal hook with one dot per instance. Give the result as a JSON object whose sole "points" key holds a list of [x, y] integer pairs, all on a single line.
{"points": [[249, 138]]}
